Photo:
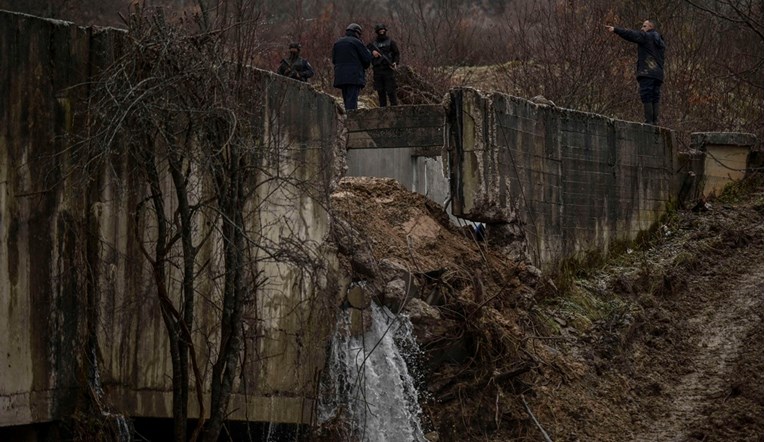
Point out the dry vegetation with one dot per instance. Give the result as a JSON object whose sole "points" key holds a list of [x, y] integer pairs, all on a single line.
{"points": [[553, 48], [614, 357], [662, 342]]}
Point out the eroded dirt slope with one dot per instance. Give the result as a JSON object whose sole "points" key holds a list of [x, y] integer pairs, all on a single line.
{"points": [[662, 342], [682, 358]]}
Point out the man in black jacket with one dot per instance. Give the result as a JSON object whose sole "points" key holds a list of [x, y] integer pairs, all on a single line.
{"points": [[650, 65], [295, 66], [350, 58], [385, 58]]}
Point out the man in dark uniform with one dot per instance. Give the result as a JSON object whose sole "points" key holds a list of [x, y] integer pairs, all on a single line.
{"points": [[650, 65], [295, 66], [350, 58], [385, 58]]}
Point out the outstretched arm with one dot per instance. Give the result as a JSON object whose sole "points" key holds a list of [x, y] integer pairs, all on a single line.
{"points": [[628, 34]]}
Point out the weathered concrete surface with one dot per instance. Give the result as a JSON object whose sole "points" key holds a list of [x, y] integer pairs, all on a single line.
{"points": [[288, 325], [725, 156], [42, 313], [563, 182], [74, 286], [420, 127], [400, 142], [574, 182]]}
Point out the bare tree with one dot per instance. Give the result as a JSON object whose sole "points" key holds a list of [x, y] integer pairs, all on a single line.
{"points": [[182, 105], [713, 62], [147, 102], [746, 13]]}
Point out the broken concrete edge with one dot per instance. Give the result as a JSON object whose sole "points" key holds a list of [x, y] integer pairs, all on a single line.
{"points": [[476, 118], [489, 95], [155, 403], [715, 160], [700, 140]]}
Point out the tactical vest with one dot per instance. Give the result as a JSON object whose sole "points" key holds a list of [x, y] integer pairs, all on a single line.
{"points": [[296, 64], [384, 48]]}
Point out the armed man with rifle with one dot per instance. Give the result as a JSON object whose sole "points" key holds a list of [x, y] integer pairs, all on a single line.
{"points": [[385, 59], [295, 66]]}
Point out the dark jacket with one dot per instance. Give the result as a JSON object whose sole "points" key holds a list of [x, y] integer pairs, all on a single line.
{"points": [[351, 58], [297, 68], [389, 51], [650, 62]]}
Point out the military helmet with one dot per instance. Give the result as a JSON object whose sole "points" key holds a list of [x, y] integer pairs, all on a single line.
{"points": [[380, 26], [354, 27], [295, 45]]}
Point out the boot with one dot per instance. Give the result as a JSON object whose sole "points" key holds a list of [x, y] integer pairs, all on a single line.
{"points": [[648, 112], [656, 114]]}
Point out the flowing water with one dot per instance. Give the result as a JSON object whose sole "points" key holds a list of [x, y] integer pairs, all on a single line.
{"points": [[119, 424], [370, 386]]}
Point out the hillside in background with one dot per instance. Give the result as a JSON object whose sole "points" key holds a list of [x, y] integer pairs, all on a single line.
{"points": [[560, 50]]}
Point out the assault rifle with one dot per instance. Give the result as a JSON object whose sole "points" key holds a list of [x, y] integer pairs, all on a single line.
{"points": [[289, 71], [385, 57]]}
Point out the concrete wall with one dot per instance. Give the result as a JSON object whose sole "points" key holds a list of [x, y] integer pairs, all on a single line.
{"points": [[556, 183], [725, 158], [74, 285], [401, 142], [573, 182], [75, 288], [43, 319]]}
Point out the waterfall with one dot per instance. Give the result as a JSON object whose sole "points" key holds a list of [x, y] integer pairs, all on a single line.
{"points": [[368, 380], [117, 421]]}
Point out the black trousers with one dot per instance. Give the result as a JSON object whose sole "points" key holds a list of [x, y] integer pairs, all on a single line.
{"points": [[649, 89], [385, 85], [351, 96], [650, 93]]}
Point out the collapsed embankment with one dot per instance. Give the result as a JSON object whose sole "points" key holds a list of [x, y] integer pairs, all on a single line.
{"points": [[663, 341]]}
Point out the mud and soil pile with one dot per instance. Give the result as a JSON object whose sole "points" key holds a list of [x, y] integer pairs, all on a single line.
{"points": [[663, 342]]}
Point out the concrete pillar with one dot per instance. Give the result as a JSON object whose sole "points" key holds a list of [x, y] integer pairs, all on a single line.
{"points": [[725, 156]]}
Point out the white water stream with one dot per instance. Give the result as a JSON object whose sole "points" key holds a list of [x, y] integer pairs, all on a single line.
{"points": [[123, 432], [370, 383]]}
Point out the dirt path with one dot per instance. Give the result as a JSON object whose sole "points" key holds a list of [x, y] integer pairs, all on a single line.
{"points": [[664, 343], [686, 363], [724, 333]]}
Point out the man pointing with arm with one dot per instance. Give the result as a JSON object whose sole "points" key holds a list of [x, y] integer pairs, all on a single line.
{"points": [[650, 65]]}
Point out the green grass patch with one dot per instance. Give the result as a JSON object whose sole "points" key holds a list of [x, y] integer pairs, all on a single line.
{"points": [[738, 191]]}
